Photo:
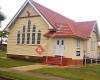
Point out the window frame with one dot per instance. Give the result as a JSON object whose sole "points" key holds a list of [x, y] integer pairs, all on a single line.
{"points": [[29, 35], [78, 53], [33, 38], [28, 38], [78, 43], [18, 37], [23, 38], [39, 37]]}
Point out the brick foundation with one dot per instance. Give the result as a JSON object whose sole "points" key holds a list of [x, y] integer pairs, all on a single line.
{"points": [[56, 60]]}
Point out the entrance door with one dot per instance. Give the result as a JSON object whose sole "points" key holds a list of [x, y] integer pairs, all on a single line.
{"points": [[59, 47]]}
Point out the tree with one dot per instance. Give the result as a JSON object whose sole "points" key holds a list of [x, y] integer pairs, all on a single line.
{"points": [[3, 34], [2, 17]]}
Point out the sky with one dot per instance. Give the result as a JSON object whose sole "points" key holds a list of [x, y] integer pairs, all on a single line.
{"points": [[78, 10]]}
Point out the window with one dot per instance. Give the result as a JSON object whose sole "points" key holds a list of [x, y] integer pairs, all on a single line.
{"points": [[23, 28], [18, 37], [57, 42], [34, 28], [77, 53], [33, 38], [28, 38], [29, 34], [78, 43], [38, 37], [23, 38], [62, 42], [29, 25]]}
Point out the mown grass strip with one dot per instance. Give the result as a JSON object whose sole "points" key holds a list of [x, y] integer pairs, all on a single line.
{"points": [[85, 73], [7, 62], [17, 76]]}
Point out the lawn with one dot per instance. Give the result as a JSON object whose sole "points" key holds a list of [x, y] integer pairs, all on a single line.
{"points": [[18, 76], [7, 62], [84, 73]]}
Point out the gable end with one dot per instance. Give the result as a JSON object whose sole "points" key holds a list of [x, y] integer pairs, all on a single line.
{"points": [[19, 11]]}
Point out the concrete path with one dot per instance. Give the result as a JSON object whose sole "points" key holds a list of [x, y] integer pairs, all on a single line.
{"points": [[26, 70], [28, 67]]}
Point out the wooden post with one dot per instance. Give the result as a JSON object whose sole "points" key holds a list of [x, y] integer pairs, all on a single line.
{"points": [[61, 60], [91, 60], [46, 59], [85, 61]]}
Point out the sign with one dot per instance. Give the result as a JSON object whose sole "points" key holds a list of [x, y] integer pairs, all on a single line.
{"points": [[39, 49]]}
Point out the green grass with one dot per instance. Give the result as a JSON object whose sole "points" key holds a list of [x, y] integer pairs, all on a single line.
{"points": [[17, 76], [2, 53], [7, 62], [85, 73]]}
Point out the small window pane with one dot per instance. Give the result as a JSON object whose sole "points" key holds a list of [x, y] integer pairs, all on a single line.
{"points": [[62, 42], [23, 38], [57, 42], [38, 41], [28, 38], [33, 38], [38, 38], [23, 28], [18, 37], [77, 53], [78, 43], [34, 28], [29, 25]]}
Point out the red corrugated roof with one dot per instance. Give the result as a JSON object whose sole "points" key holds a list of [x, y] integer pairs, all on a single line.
{"points": [[64, 26]]}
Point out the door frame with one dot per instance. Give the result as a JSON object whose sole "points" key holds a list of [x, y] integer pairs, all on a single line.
{"points": [[59, 47]]}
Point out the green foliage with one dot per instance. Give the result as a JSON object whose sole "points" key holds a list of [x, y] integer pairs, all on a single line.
{"points": [[2, 53], [3, 33], [85, 73], [17, 76]]}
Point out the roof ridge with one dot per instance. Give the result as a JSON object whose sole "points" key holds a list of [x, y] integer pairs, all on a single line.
{"points": [[86, 21], [51, 10], [64, 20]]}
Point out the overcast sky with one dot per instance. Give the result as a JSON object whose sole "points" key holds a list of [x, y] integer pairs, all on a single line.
{"points": [[78, 10]]}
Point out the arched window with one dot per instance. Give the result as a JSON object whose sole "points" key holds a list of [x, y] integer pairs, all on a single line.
{"points": [[34, 28], [33, 38], [38, 37], [29, 25], [18, 37], [23, 38], [29, 35], [23, 28], [28, 38]]}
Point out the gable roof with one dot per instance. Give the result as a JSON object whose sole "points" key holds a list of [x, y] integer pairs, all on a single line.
{"points": [[64, 26]]}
